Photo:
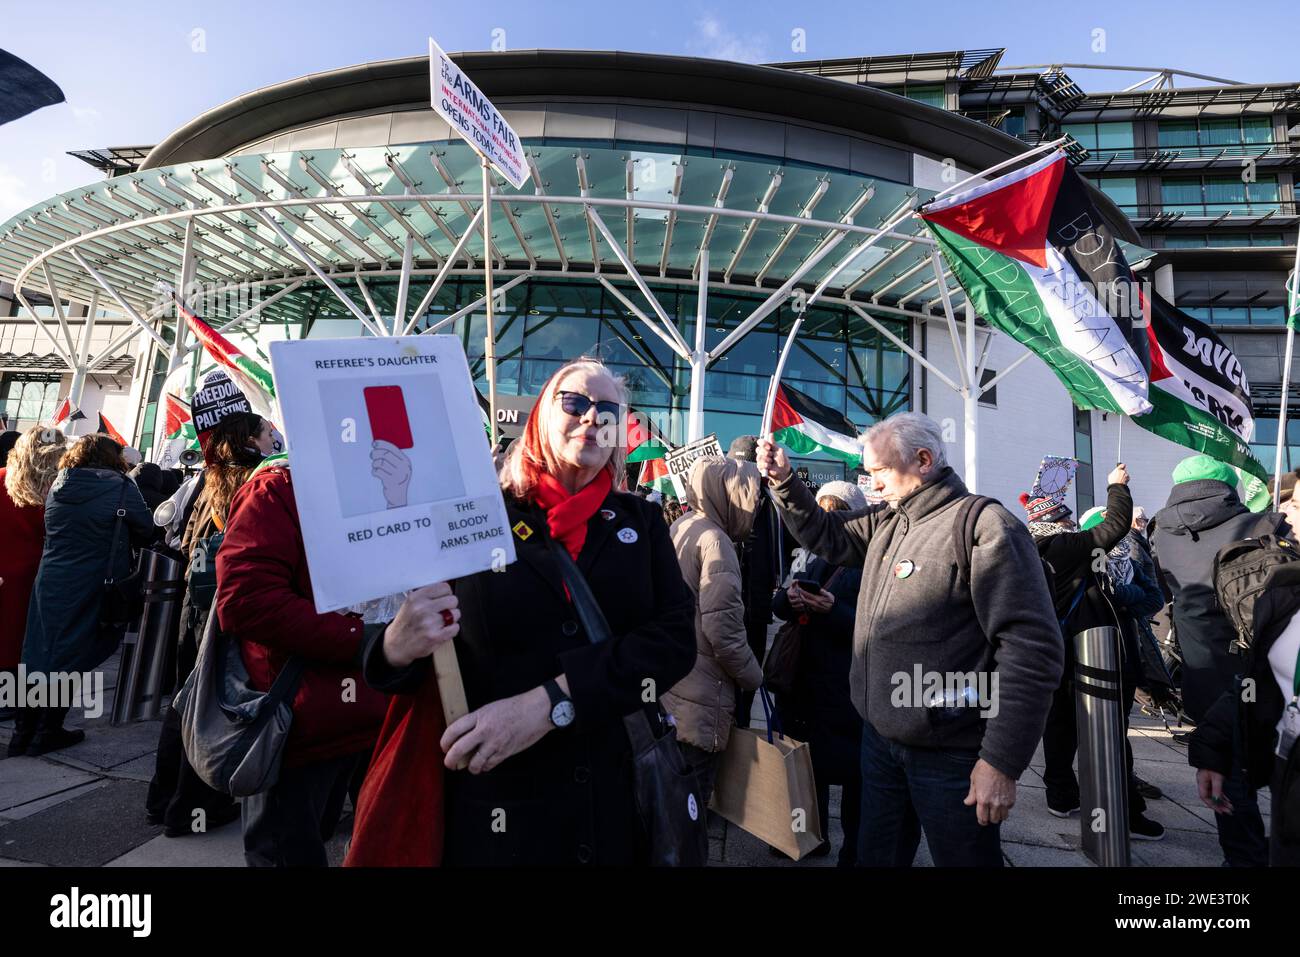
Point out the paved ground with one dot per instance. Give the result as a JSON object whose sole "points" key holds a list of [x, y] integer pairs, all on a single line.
{"points": [[85, 806]]}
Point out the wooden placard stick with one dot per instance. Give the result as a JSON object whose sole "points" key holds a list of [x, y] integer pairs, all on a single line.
{"points": [[451, 690]]}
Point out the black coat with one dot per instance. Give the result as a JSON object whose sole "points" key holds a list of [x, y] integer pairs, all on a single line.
{"points": [[63, 630], [1211, 744], [1200, 518], [820, 711], [1073, 555], [569, 798]]}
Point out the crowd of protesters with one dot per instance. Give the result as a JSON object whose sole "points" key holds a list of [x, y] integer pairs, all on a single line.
{"points": [[614, 593]]}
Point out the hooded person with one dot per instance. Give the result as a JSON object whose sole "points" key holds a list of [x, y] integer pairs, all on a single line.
{"points": [[1287, 503], [762, 554], [724, 497], [1203, 514]]}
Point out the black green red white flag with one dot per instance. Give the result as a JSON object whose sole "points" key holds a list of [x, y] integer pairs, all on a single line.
{"points": [[106, 428], [1038, 261], [1200, 396], [644, 442], [807, 427], [654, 475], [252, 379]]}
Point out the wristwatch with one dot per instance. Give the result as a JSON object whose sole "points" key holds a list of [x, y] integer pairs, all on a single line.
{"points": [[562, 713]]}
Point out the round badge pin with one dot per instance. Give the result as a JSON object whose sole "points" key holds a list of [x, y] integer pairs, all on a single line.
{"points": [[627, 535], [904, 568], [692, 807], [607, 514]]}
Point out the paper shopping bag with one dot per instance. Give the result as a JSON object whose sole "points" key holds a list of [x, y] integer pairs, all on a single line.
{"points": [[766, 788]]}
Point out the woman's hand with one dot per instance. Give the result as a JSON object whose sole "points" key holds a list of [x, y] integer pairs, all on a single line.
{"points": [[821, 603], [796, 596], [484, 738], [428, 617]]}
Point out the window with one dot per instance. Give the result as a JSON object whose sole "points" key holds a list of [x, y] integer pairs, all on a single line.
{"points": [[1083, 497], [1103, 140], [29, 399], [1122, 189], [1264, 445], [1222, 315], [1217, 195], [932, 95], [990, 397], [1234, 135]]}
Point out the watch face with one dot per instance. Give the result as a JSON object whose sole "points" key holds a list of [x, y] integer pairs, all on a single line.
{"points": [[562, 714]]}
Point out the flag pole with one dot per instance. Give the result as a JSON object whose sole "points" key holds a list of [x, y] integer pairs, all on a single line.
{"points": [[1292, 320], [490, 345], [1119, 440]]}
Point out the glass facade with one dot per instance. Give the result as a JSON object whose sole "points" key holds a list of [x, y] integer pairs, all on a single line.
{"points": [[1264, 444], [29, 398], [1216, 195], [1103, 140], [838, 359], [1234, 135]]}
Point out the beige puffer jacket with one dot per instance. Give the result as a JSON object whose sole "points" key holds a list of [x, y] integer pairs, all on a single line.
{"points": [[723, 495]]}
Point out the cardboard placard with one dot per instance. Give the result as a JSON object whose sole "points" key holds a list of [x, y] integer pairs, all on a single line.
{"points": [[395, 485], [680, 459]]}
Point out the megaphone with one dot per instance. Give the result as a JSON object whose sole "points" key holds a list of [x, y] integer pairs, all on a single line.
{"points": [[191, 458]]}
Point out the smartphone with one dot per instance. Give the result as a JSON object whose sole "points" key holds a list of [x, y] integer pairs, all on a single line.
{"points": [[808, 585], [387, 410]]}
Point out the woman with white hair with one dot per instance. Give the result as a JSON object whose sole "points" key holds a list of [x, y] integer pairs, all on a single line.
{"points": [[540, 770], [24, 483]]}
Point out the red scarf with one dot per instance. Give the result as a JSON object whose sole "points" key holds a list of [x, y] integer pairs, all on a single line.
{"points": [[567, 514], [399, 815]]}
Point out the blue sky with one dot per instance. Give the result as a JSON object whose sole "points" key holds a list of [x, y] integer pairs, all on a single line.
{"points": [[135, 73]]}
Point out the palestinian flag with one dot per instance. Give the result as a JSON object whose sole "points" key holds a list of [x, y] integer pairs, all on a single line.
{"points": [[1200, 397], [644, 442], [178, 433], [1037, 260], [654, 475], [106, 428], [67, 413], [252, 379], [806, 427]]}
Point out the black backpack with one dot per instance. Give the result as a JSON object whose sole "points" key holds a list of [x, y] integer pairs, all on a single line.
{"points": [[1239, 572], [963, 542]]}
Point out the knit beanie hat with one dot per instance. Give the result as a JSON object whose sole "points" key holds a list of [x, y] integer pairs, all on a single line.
{"points": [[1200, 467], [216, 398], [1044, 509], [846, 492]]}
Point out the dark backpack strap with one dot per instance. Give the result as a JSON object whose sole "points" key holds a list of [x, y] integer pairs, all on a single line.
{"points": [[963, 532], [117, 532], [584, 602]]}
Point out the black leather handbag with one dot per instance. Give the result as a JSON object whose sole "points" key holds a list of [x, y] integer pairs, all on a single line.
{"points": [[123, 600], [668, 792]]}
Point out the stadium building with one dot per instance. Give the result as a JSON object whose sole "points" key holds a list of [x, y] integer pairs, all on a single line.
{"points": [[680, 214]]}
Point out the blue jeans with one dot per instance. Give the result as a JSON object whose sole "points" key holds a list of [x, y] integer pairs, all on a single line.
{"points": [[907, 790]]}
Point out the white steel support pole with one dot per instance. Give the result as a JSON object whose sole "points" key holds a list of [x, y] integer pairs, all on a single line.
{"points": [[1292, 317], [971, 406], [82, 358], [700, 357], [184, 278], [126, 307], [490, 342], [404, 283]]}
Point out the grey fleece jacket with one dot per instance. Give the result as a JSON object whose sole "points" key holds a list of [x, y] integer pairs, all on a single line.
{"points": [[920, 618]]}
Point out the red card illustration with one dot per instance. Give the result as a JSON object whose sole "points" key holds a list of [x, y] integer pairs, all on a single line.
{"points": [[387, 410]]}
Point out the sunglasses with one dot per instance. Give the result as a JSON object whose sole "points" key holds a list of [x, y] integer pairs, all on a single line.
{"points": [[576, 404]]}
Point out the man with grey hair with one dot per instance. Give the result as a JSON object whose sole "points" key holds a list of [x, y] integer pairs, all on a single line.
{"points": [[956, 646]]}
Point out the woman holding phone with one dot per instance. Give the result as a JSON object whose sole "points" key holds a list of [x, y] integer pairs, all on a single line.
{"points": [[540, 771], [822, 599]]}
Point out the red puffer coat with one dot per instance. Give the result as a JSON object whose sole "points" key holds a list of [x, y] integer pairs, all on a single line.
{"points": [[264, 599], [22, 538]]}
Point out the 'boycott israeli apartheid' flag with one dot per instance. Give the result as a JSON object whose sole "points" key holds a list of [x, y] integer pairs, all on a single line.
{"points": [[1200, 396], [1037, 261], [806, 427]]}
